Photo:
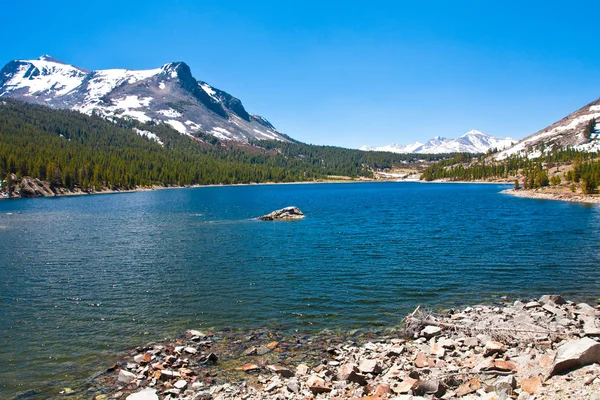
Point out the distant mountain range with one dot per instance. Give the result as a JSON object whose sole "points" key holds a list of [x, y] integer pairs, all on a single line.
{"points": [[169, 94], [471, 142]]}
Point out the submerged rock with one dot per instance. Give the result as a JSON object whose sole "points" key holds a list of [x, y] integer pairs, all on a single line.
{"points": [[284, 213]]}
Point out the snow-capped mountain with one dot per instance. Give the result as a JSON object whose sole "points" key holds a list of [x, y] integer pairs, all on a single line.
{"points": [[394, 148], [471, 142], [168, 94], [571, 131], [432, 144], [474, 142]]}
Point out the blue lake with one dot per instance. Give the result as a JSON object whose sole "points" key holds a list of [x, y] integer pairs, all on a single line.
{"points": [[82, 278]]}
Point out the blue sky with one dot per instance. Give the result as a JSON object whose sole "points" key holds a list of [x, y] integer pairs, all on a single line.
{"points": [[343, 73]]}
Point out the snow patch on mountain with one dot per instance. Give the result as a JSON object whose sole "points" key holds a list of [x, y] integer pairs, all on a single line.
{"points": [[209, 90], [149, 135], [221, 133], [170, 113], [178, 126]]}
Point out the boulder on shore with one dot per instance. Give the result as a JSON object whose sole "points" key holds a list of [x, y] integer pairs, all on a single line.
{"points": [[284, 213], [575, 354]]}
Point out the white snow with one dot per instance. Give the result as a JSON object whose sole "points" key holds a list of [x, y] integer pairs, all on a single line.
{"points": [[178, 126], [149, 135], [128, 106], [105, 81], [132, 102], [161, 85], [51, 76], [138, 115], [192, 125], [595, 108], [170, 113], [209, 90], [592, 146], [221, 133]]}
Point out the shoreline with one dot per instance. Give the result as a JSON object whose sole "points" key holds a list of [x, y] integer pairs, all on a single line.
{"points": [[540, 195], [340, 181], [149, 189], [476, 352]]}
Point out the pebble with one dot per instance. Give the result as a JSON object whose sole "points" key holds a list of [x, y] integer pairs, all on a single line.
{"points": [[482, 352]]}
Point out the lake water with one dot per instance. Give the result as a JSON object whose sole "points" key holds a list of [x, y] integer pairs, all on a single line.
{"points": [[82, 278]]}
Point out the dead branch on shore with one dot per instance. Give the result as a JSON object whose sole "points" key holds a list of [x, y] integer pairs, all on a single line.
{"points": [[417, 320]]}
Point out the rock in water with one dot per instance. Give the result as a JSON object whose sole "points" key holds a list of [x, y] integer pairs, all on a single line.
{"points": [[284, 213]]}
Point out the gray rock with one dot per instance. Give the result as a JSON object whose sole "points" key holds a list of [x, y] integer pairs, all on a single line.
{"points": [[591, 326], [532, 304], [284, 372], [431, 386], [552, 299], [126, 377], [180, 384], [584, 308], [293, 387], [272, 386], [553, 310], [575, 354], [286, 213], [493, 347], [431, 331], [471, 342], [262, 350], [301, 370], [370, 367], [144, 394], [349, 372], [317, 385], [249, 351], [505, 383]]}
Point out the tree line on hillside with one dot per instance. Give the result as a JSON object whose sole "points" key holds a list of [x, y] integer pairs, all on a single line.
{"points": [[72, 150], [586, 168]]}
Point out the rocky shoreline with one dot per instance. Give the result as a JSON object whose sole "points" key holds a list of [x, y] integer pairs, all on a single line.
{"points": [[540, 349], [546, 195], [34, 188]]}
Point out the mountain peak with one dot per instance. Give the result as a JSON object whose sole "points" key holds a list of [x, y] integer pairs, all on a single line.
{"points": [[49, 58], [176, 68], [475, 132], [168, 94]]}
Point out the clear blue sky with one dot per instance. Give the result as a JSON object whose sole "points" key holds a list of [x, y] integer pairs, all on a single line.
{"points": [[343, 73]]}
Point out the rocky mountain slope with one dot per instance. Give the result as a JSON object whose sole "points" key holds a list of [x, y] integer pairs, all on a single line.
{"points": [[169, 94], [471, 142], [571, 131]]}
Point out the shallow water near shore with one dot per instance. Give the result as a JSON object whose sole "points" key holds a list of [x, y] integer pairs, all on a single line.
{"points": [[82, 278]]}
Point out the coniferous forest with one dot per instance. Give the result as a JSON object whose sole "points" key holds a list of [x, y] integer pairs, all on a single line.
{"points": [[585, 168], [71, 150]]}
